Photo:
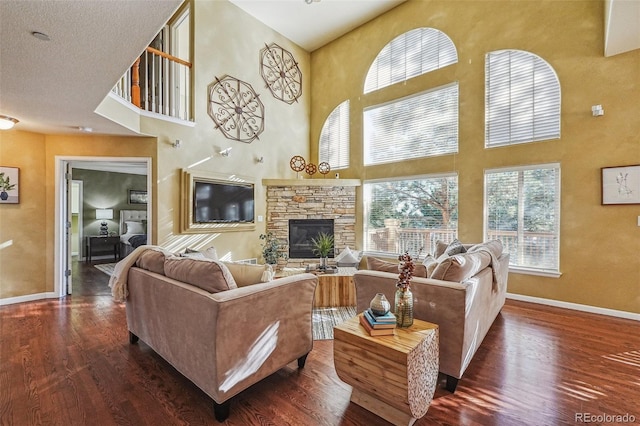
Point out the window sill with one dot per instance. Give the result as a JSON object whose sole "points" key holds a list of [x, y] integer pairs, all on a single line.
{"points": [[541, 273]]}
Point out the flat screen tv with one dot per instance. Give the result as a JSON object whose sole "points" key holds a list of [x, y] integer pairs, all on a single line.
{"points": [[222, 202]]}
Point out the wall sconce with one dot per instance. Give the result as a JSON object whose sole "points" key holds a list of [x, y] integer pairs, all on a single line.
{"points": [[259, 160], [104, 214], [597, 110], [226, 152], [7, 122], [177, 144]]}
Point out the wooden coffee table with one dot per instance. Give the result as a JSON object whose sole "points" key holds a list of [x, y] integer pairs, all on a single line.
{"points": [[392, 376]]}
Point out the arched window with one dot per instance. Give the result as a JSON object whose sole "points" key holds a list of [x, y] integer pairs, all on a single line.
{"points": [[408, 55], [334, 138], [522, 99]]}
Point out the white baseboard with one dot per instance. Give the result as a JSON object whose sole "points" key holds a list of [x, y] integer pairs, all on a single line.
{"points": [[28, 298], [575, 306]]}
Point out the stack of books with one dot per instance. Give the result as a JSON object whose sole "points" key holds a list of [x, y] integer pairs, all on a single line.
{"points": [[378, 325]]}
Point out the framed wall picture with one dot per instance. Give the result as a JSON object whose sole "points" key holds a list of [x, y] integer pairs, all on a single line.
{"points": [[137, 196], [621, 185], [9, 185]]}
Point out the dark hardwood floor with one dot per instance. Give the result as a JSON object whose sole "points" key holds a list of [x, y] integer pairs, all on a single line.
{"points": [[68, 362]]}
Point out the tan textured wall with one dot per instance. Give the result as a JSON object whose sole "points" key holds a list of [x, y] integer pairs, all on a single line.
{"points": [[23, 226], [27, 229], [599, 244], [228, 41]]}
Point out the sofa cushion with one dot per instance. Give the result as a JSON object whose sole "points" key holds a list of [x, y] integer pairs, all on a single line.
{"points": [[461, 267], [245, 274], [375, 264], [151, 260], [207, 274]]}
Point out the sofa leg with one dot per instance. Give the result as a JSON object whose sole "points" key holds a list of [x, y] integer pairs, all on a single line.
{"points": [[133, 338], [452, 383], [221, 411], [302, 360]]}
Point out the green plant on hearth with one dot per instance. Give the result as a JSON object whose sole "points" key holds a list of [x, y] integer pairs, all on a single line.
{"points": [[271, 248], [322, 244]]}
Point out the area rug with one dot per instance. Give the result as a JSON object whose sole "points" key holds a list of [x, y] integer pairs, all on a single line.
{"points": [[325, 318], [107, 268]]}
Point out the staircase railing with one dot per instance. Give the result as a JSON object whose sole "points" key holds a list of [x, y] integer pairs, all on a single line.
{"points": [[158, 82]]}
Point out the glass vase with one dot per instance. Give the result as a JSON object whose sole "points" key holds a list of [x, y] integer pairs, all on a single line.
{"points": [[404, 307]]}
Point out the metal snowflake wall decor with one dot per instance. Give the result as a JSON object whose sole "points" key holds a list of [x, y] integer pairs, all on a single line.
{"points": [[236, 109], [280, 71]]}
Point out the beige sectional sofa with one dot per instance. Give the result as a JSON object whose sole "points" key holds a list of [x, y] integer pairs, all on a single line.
{"points": [[463, 295], [222, 335]]}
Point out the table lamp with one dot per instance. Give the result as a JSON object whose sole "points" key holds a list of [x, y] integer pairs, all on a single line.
{"points": [[104, 214]]}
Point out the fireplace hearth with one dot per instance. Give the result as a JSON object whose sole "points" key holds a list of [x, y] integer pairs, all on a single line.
{"points": [[302, 231]]}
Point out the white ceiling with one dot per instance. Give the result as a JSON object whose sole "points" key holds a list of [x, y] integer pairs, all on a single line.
{"points": [[312, 25], [55, 86]]}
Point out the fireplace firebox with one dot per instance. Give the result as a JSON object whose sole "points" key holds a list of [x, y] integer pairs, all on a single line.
{"points": [[302, 231]]}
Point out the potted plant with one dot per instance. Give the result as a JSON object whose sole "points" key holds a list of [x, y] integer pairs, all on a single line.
{"points": [[322, 246], [5, 185], [271, 249]]}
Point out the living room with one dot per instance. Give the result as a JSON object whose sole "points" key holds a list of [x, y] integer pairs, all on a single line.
{"points": [[599, 270]]}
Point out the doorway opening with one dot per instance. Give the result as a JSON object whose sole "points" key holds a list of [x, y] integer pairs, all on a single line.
{"points": [[90, 194]]}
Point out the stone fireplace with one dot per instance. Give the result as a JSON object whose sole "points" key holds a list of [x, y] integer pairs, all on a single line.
{"points": [[312, 199]]}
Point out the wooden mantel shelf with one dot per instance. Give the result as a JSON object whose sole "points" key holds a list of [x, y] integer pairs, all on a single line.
{"points": [[311, 182]]}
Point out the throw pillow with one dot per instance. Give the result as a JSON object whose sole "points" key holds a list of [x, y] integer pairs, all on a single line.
{"points": [[207, 274], [430, 263], [245, 274], [461, 267], [134, 227], [376, 264], [455, 247], [209, 253], [348, 256], [151, 260]]}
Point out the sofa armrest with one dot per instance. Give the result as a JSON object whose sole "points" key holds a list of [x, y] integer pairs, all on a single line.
{"points": [[440, 302]]}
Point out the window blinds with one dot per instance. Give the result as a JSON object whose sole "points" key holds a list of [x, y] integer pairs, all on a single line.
{"points": [[410, 213], [408, 55], [334, 138], [522, 99], [522, 208], [422, 125]]}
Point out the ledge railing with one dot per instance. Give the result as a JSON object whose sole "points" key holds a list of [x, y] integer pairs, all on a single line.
{"points": [[158, 82]]}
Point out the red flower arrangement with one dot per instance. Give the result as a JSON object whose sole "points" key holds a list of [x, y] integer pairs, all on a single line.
{"points": [[406, 268]]}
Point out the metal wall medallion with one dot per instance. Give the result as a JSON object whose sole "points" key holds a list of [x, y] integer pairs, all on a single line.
{"points": [[236, 109], [280, 71]]}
